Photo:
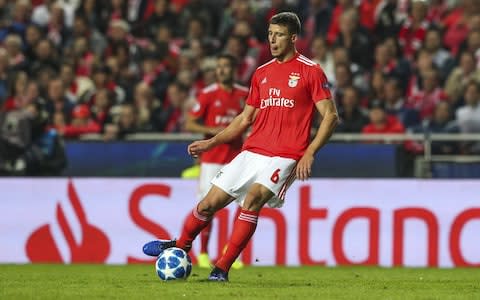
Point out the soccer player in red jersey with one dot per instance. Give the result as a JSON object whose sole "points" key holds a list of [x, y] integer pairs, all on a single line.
{"points": [[216, 107], [283, 96]]}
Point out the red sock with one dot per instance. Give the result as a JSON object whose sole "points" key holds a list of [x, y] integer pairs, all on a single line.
{"points": [[205, 237], [243, 230], [194, 223], [237, 213]]}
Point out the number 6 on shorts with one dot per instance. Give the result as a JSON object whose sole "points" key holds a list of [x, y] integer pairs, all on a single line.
{"points": [[275, 177]]}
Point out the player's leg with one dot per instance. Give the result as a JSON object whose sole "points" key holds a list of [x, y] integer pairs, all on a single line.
{"points": [[243, 229], [270, 185], [231, 182], [197, 220], [205, 239], [207, 173], [237, 264], [201, 216], [203, 257]]}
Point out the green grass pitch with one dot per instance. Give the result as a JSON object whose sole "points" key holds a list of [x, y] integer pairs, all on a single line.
{"points": [[140, 282]]}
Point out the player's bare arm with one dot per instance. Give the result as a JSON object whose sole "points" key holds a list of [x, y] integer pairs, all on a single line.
{"points": [[234, 129], [329, 114], [194, 124]]}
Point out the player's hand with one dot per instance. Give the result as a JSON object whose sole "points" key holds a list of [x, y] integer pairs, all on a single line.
{"points": [[304, 167], [197, 147]]}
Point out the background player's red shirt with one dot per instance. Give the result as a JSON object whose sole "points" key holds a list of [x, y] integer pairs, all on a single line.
{"points": [[218, 107], [285, 94]]}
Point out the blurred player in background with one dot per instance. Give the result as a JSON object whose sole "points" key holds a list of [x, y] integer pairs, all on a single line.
{"points": [[216, 107], [283, 96]]}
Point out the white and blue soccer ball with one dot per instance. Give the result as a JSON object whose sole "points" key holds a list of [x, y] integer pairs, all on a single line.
{"points": [[173, 263]]}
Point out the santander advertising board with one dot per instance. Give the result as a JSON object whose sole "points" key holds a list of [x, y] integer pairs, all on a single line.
{"points": [[421, 223]]}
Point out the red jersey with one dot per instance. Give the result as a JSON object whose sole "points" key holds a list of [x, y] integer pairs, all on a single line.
{"points": [[411, 39], [218, 107], [285, 95]]}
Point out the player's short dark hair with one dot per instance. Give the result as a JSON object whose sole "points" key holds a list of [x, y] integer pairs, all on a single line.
{"points": [[229, 57], [288, 19]]}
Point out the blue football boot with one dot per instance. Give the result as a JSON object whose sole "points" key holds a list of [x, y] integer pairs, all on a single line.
{"points": [[218, 275], [154, 248]]}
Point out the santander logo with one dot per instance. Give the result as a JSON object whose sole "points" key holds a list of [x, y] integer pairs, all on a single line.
{"points": [[84, 242]]}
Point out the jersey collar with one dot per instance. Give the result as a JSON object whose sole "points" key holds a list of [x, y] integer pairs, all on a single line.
{"points": [[297, 54]]}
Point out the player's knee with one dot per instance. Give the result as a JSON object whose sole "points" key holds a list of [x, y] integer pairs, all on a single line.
{"points": [[256, 198], [211, 204], [206, 209], [253, 202], [252, 206]]}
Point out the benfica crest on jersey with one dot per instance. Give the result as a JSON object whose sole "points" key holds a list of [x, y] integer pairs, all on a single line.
{"points": [[293, 79]]}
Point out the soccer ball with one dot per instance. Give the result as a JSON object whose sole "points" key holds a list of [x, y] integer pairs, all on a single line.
{"points": [[173, 263]]}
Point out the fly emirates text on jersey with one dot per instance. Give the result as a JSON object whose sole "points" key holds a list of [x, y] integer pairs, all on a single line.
{"points": [[274, 99]]}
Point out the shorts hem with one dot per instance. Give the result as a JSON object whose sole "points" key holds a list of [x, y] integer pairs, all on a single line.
{"points": [[230, 194]]}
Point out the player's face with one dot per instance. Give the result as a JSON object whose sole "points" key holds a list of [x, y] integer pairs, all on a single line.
{"points": [[224, 71], [280, 40]]}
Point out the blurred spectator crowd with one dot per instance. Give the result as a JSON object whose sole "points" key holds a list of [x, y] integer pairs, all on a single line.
{"points": [[115, 67]]}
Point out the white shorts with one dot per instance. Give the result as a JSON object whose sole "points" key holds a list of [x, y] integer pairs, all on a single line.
{"points": [[275, 173], [207, 173]]}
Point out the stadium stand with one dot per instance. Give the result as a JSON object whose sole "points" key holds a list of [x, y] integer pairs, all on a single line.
{"points": [[117, 68]]}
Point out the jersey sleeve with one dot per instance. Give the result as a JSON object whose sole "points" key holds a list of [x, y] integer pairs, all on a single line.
{"points": [[200, 107], [319, 86], [253, 98]]}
